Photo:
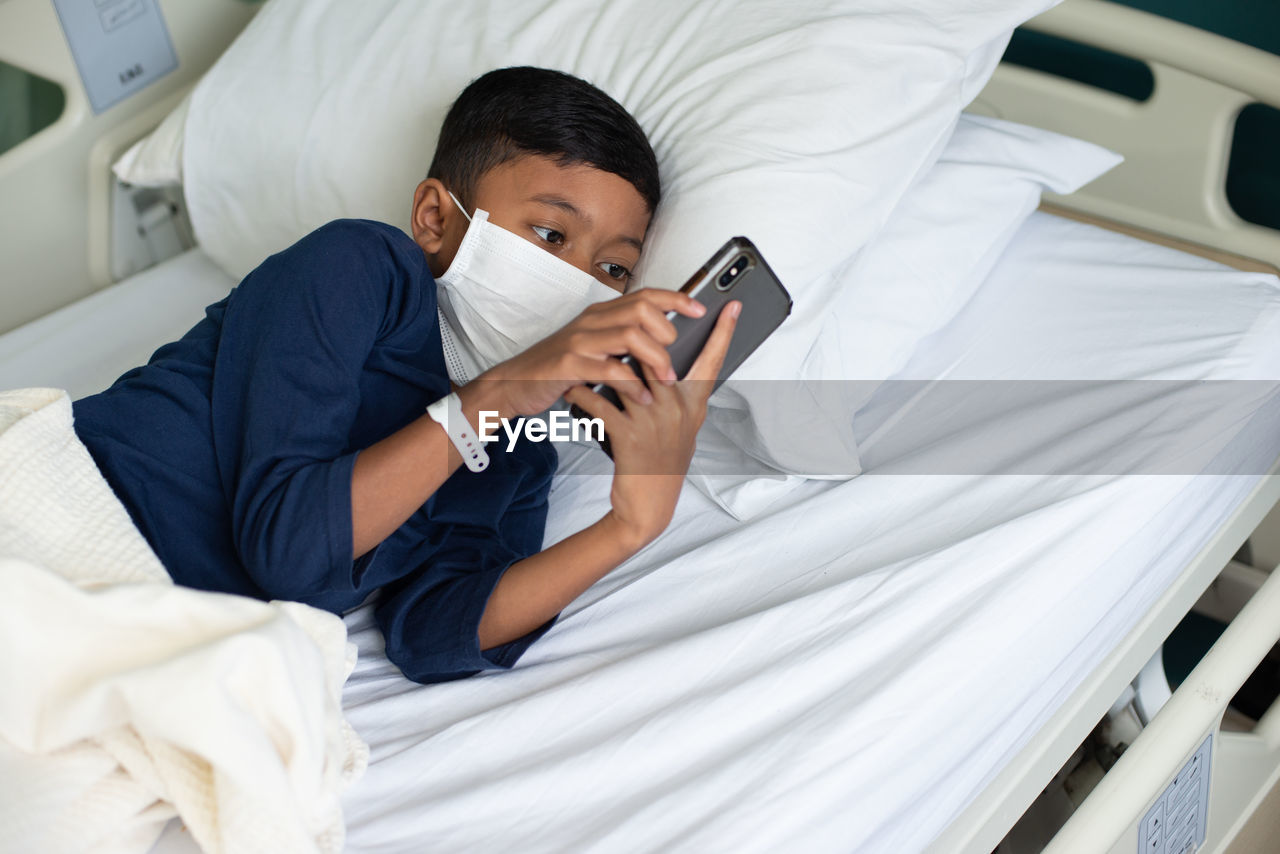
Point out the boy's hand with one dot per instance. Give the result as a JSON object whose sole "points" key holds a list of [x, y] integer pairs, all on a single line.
{"points": [[587, 350], [653, 443]]}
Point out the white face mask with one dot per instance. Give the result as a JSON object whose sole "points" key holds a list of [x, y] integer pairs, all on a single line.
{"points": [[502, 294]]}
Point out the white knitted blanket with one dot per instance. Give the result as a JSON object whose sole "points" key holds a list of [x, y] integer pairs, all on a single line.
{"points": [[126, 700]]}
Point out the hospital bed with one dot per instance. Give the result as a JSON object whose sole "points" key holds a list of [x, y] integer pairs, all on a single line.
{"points": [[926, 651]]}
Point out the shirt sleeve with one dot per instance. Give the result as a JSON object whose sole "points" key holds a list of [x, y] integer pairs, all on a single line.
{"points": [[430, 619], [295, 338]]}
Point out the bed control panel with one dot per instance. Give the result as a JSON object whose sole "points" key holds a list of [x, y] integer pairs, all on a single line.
{"points": [[120, 46], [1177, 821]]}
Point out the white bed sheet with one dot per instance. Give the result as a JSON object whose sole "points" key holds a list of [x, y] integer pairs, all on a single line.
{"points": [[846, 672], [843, 673]]}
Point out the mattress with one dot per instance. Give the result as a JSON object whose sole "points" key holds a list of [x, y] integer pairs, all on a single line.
{"points": [[86, 345], [847, 670]]}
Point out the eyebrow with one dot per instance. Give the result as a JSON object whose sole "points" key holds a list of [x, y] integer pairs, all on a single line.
{"points": [[571, 209]]}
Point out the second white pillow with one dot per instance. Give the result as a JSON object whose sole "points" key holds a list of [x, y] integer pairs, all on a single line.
{"points": [[935, 250]]}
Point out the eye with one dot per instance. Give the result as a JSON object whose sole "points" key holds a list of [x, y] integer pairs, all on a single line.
{"points": [[550, 235], [616, 271]]}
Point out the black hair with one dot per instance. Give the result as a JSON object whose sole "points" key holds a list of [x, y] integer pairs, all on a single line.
{"points": [[512, 112]]}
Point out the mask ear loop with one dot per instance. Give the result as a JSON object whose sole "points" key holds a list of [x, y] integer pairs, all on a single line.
{"points": [[459, 204]]}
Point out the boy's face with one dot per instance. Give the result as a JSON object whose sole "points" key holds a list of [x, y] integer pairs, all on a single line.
{"points": [[593, 219]]}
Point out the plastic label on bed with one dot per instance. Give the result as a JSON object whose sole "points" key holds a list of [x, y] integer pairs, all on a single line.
{"points": [[120, 46], [1176, 822]]}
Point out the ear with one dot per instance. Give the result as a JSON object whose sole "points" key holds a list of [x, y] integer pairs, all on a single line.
{"points": [[434, 218]]}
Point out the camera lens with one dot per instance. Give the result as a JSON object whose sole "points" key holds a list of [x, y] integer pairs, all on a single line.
{"points": [[727, 277]]}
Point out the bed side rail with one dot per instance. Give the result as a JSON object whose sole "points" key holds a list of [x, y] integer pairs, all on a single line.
{"points": [[1176, 143], [1245, 765], [55, 186], [980, 826]]}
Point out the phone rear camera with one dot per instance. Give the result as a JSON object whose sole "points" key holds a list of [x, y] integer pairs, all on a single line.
{"points": [[727, 277]]}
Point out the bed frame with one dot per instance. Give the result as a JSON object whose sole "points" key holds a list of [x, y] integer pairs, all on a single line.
{"points": [[1176, 143], [1170, 189], [55, 188]]}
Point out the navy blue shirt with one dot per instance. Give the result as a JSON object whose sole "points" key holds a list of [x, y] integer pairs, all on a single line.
{"points": [[232, 450]]}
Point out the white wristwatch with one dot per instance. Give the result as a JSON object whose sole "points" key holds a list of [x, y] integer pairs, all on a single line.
{"points": [[447, 412]]}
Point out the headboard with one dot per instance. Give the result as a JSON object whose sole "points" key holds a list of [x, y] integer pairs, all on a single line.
{"points": [[1176, 143]]}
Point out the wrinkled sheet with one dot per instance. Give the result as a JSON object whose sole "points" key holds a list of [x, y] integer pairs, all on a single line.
{"points": [[845, 672]]}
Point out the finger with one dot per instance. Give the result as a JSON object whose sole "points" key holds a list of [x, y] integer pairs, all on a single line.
{"points": [[666, 301], [623, 340], [658, 327], [649, 307], [649, 353], [647, 316], [662, 392], [706, 367], [592, 404], [618, 376]]}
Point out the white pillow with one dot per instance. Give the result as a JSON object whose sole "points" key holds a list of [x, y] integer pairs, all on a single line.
{"points": [[156, 159], [942, 240], [780, 121], [786, 122], [911, 280]]}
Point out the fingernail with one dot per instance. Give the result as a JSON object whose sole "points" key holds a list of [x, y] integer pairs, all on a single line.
{"points": [[698, 308], [646, 397], [735, 309], [670, 378]]}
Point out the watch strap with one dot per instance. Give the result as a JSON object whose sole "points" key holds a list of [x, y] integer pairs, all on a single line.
{"points": [[447, 412]]}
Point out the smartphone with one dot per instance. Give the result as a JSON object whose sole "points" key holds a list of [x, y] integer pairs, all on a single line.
{"points": [[737, 271]]}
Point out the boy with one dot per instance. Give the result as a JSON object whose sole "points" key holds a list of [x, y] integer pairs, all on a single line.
{"points": [[280, 449]]}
